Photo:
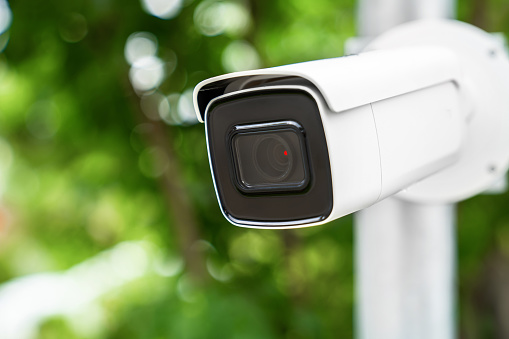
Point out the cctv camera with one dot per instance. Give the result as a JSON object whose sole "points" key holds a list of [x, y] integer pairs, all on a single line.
{"points": [[306, 143], [303, 144]]}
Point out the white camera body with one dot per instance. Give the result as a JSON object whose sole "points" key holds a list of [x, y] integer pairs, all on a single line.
{"points": [[389, 119]]}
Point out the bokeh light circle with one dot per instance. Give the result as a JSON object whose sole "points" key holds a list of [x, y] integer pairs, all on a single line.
{"points": [[5, 16], [147, 73], [73, 27], [217, 17], [140, 45], [240, 56], [163, 9]]}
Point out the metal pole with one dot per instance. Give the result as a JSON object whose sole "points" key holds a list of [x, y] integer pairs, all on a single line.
{"points": [[376, 16], [405, 252], [405, 262]]}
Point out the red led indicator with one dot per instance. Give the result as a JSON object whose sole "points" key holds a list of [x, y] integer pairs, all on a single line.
{"points": [[286, 153]]}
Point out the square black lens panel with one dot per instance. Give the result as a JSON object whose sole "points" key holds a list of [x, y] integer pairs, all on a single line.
{"points": [[253, 198], [270, 157]]}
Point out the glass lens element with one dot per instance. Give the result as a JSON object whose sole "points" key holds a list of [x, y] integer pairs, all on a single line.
{"points": [[270, 160]]}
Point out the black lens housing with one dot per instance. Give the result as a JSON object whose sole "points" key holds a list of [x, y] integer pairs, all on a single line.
{"points": [[285, 200], [269, 157]]}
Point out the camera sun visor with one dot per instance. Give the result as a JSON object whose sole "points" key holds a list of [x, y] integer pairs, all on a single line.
{"points": [[269, 157]]}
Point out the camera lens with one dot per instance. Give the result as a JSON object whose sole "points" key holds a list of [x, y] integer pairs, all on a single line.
{"points": [[269, 158], [272, 157]]}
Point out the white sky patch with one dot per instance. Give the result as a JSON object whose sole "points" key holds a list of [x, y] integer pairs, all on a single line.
{"points": [[147, 73], [186, 109], [25, 302], [163, 9], [140, 45], [5, 16]]}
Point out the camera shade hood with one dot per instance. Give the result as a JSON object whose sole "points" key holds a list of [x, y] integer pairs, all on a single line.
{"points": [[346, 82]]}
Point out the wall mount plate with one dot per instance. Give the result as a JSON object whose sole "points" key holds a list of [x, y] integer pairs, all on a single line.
{"points": [[484, 159]]}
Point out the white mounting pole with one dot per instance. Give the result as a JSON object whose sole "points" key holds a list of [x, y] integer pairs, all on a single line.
{"points": [[405, 252], [377, 16], [405, 262]]}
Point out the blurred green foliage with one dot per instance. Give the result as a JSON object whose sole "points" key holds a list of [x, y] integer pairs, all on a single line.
{"points": [[82, 170]]}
